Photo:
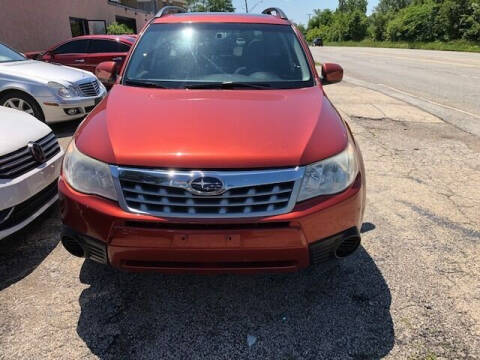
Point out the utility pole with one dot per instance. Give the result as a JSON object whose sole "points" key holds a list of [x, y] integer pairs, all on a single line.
{"points": [[246, 6]]}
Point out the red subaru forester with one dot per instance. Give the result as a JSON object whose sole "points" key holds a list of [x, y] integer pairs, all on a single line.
{"points": [[216, 150]]}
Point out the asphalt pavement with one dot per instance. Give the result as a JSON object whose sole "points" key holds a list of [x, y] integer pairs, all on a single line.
{"points": [[447, 84], [410, 292]]}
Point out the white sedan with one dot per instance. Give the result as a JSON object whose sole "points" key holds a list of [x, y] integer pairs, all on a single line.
{"points": [[30, 162], [50, 92]]}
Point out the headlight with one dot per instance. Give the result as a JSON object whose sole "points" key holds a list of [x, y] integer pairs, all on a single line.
{"points": [[87, 175], [330, 176], [63, 91]]}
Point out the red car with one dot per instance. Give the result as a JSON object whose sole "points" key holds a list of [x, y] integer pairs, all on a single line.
{"points": [[217, 150], [86, 52]]}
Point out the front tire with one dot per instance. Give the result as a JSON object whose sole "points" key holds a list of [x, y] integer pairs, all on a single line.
{"points": [[20, 101]]}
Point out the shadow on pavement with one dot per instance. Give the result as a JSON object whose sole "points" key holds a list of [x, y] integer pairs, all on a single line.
{"points": [[339, 313], [22, 252], [65, 129]]}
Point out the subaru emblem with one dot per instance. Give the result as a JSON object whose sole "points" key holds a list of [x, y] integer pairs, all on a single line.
{"points": [[207, 185]]}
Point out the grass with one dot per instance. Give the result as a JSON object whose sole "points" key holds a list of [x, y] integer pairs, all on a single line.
{"points": [[457, 45]]}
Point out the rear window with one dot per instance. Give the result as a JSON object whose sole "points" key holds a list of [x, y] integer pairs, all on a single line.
{"points": [[178, 55]]}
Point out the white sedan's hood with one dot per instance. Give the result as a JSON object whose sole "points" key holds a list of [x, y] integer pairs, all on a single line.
{"points": [[45, 72], [17, 129]]}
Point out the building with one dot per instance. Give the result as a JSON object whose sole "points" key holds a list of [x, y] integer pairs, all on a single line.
{"points": [[30, 25]]}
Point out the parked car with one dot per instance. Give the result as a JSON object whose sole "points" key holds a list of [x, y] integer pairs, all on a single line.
{"points": [[30, 163], [318, 42], [51, 93], [216, 150], [86, 52]]}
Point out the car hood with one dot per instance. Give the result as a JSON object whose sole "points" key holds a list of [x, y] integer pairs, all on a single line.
{"points": [[212, 129], [44, 72], [17, 129]]}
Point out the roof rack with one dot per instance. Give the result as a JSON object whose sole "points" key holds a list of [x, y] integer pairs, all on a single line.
{"points": [[167, 10], [278, 12]]}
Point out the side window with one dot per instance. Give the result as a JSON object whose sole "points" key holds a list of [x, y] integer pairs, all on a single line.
{"points": [[72, 47], [107, 46], [123, 48]]}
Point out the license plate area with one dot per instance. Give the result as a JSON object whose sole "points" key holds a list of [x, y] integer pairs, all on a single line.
{"points": [[207, 241]]}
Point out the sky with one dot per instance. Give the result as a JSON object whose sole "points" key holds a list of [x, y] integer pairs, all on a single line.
{"points": [[296, 10]]}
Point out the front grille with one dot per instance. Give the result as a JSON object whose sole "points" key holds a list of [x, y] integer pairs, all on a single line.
{"points": [[264, 193], [90, 88], [24, 210], [21, 161]]}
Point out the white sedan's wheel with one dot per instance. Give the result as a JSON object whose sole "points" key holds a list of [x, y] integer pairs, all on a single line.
{"points": [[19, 104], [23, 102]]}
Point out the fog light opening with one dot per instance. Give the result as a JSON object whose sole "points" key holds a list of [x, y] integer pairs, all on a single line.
{"points": [[72, 111], [348, 246], [72, 246]]}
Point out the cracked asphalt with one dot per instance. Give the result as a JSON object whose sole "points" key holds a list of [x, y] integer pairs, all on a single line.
{"points": [[412, 291]]}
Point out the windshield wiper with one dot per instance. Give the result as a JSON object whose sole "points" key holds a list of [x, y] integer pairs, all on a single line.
{"points": [[141, 83], [228, 85]]}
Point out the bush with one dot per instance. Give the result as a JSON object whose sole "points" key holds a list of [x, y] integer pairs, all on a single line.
{"points": [[471, 23], [321, 32], [118, 29], [414, 23]]}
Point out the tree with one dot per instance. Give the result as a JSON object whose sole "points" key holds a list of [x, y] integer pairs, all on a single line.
{"points": [[321, 17], [385, 6], [470, 29], [211, 5], [118, 29], [414, 23], [352, 5], [302, 29]]}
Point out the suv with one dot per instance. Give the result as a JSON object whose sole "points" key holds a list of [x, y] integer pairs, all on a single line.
{"points": [[216, 150]]}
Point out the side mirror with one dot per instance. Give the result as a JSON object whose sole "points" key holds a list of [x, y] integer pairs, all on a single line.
{"points": [[331, 73], [107, 72]]}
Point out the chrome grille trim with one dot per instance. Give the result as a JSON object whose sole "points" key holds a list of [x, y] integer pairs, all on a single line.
{"points": [[248, 194], [21, 161], [90, 88]]}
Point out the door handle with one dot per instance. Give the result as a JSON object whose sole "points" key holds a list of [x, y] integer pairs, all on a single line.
{"points": [[80, 60], [118, 58]]}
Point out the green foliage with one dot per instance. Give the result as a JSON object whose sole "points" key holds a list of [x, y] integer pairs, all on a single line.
{"points": [[318, 32], [118, 29], [386, 6], [348, 22], [410, 21], [302, 29], [211, 5], [352, 5], [471, 23], [414, 23], [455, 45]]}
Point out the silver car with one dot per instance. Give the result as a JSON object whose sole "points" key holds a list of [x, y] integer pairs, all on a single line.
{"points": [[50, 92]]}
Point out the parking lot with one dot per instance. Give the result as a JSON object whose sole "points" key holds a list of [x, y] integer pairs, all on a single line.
{"points": [[411, 292]]}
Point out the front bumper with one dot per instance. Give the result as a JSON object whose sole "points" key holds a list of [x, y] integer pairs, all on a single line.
{"points": [[275, 244], [54, 108], [26, 197]]}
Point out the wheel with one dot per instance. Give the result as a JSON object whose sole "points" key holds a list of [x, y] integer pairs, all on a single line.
{"points": [[23, 102]]}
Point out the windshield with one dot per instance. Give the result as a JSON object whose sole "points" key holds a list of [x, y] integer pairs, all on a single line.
{"points": [[7, 54], [259, 56]]}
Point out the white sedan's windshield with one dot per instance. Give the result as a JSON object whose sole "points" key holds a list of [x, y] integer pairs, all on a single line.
{"points": [[183, 55], [7, 54]]}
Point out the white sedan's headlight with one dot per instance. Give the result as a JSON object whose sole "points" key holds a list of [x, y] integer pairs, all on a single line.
{"points": [[330, 176], [63, 91], [87, 175]]}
